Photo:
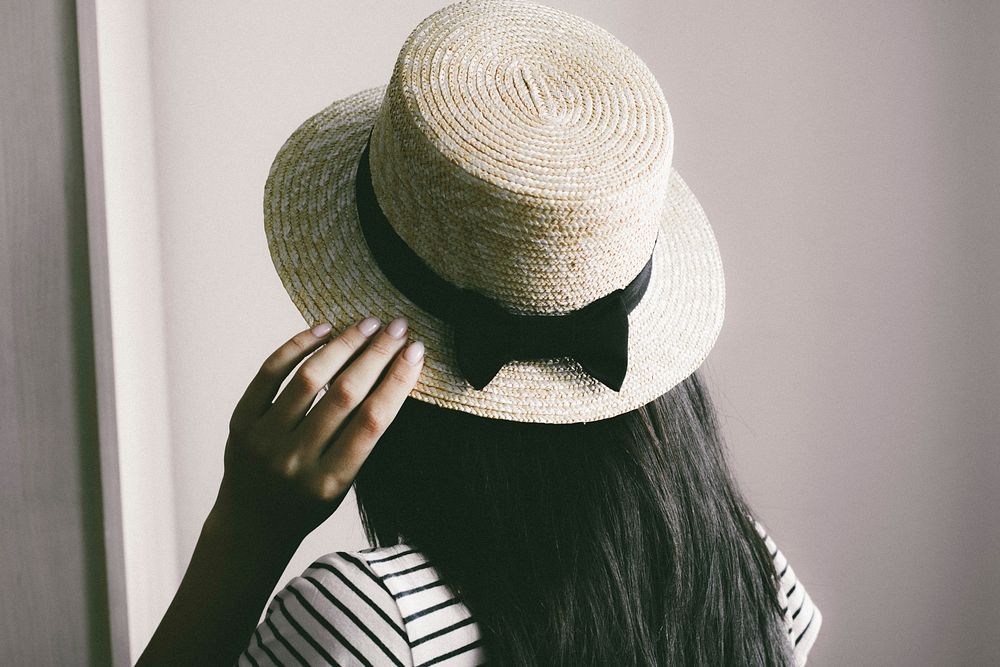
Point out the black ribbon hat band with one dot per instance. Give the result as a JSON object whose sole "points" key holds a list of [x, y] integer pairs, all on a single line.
{"points": [[487, 336]]}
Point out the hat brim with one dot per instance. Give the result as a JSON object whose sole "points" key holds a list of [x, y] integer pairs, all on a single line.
{"points": [[324, 263]]}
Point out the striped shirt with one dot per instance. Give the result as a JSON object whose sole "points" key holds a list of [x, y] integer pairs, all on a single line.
{"points": [[389, 606]]}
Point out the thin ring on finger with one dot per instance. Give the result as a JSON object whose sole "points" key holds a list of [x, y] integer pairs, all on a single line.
{"points": [[343, 459], [351, 386], [317, 370], [259, 394]]}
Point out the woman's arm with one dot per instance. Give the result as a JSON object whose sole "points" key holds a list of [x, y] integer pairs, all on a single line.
{"points": [[287, 468], [214, 612]]}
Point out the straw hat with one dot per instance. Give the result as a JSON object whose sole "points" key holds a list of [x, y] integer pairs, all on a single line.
{"points": [[510, 192]]}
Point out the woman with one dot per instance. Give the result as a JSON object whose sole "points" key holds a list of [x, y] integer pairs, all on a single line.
{"points": [[545, 482]]}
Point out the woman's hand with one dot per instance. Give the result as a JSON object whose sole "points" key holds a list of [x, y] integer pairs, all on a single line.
{"points": [[288, 467]]}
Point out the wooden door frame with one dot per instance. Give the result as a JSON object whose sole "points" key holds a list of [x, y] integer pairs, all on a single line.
{"points": [[90, 112]]}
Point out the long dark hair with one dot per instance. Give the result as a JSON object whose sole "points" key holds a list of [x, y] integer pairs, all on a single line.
{"points": [[623, 541]]}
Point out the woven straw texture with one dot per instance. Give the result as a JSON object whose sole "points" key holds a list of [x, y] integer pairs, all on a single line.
{"points": [[523, 152]]}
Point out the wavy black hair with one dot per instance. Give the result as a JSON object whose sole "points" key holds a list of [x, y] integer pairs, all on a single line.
{"points": [[623, 541]]}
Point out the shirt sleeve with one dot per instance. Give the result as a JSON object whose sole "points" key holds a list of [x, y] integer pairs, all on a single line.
{"points": [[802, 617], [338, 612]]}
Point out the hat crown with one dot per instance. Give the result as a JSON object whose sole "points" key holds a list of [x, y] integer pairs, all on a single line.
{"points": [[523, 152]]}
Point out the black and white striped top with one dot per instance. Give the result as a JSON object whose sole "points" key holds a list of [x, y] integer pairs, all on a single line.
{"points": [[389, 606]]}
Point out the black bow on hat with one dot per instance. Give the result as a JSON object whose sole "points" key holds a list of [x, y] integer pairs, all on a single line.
{"points": [[487, 337]]}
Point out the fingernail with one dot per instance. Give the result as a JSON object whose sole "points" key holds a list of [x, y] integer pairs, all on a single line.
{"points": [[414, 352], [368, 326], [321, 330], [397, 327]]}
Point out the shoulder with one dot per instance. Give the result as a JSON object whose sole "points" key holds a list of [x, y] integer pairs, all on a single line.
{"points": [[377, 606], [802, 617], [437, 622], [338, 611]]}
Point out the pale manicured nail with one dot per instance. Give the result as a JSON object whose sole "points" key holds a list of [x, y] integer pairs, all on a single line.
{"points": [[321, 330], [368, 326], [397, 327], [414, 352]]}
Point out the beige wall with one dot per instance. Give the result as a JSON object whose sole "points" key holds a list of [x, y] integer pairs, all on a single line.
{"points": [[847, 154]]}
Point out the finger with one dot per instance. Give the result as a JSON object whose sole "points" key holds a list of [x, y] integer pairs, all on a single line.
{"points": [[295, 399], [342, 461], [260, 392], [351, 387]]}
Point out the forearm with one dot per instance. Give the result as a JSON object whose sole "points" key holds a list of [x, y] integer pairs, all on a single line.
{"points": [[231, 575]]}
